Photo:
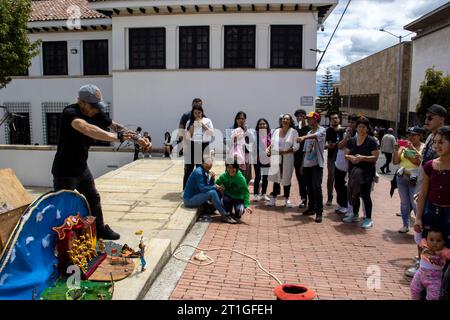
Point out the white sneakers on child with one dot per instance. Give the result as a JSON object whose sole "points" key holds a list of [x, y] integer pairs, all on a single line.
{"points": [[271, 202], [288, 203]]}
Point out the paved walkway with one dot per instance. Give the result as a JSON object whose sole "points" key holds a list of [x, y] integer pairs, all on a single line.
{"points": [[337, 260]]}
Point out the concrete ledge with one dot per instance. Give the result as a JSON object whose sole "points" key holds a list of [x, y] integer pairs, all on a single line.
{"points": [[136, 286]]}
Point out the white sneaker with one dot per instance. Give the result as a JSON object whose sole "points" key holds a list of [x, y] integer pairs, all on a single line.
{"points": [[288, 203], [256, 197], [266, 197], [403, 229], [182, 194], [341, 210], [271, 202]]}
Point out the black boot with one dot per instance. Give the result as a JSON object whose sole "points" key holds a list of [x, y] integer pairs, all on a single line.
{"points": [[318, 218], [106, 233]]}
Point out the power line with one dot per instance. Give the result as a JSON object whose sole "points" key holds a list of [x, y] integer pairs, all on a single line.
{"points": [[335, 29]]}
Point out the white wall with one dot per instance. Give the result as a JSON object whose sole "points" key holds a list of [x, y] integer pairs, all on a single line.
{"points": [[74, 41], [156, 100], [121, 24], [428, 51], [33, 167]]}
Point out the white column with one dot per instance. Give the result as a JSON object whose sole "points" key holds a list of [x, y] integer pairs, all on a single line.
{"points": [[171, 47], [74, 59], [119, 47], [262, 46], [309, 42], [216, 47]]}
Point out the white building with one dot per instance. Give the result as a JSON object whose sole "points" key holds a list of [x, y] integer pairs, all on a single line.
{"points": [[431, 47], [151, 58]]}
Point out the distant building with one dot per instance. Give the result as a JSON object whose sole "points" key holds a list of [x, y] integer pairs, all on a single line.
{"points": [[369, 86], [431, 47], [151, 58]]}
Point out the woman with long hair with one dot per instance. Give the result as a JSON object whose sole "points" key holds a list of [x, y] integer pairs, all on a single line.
{"points": [[262, 164], [281, 151], [408, 157], [167, 144], [238, 141], [199, 132], [362, 153]]}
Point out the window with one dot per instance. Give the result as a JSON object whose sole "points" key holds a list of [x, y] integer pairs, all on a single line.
{"points": [[239, 47], [19, 129], [147, 48], [286, 46], [55, 58], [194, 47], [53, 121], [95, 57]]}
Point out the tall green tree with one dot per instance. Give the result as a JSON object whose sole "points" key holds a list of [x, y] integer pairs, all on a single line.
{"points": [[434, 89], [16, 50], [326, 92]]}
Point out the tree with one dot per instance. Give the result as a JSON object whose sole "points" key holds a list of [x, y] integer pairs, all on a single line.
{"points": [[16, 50], [326, 92], [434, 89]]}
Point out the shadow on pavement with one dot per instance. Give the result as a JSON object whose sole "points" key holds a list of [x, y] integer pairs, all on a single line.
{"points": [[398, 238]]}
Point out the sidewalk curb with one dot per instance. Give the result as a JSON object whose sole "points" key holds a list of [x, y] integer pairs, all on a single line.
{"points": [[160, 249]]}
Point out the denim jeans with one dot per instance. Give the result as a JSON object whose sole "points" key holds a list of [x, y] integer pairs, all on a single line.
{"points": [[437, 217], [237, 204], [200, 198], [406, 192]]}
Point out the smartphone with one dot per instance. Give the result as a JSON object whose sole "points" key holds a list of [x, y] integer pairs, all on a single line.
{"points": [[402, 143]]}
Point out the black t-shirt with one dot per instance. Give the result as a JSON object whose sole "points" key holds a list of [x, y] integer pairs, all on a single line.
{"points": [[333, 136], [301, 133], [365, 149], [73, 146]]}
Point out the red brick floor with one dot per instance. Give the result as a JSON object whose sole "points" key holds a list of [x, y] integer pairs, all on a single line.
{"points": [[333, 258]]}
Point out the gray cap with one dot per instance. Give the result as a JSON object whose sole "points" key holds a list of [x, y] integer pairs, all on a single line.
{"points": [[91, 94], [438, 110]]}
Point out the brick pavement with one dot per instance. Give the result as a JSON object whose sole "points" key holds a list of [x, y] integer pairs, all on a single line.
{"points": [[332, 258]]}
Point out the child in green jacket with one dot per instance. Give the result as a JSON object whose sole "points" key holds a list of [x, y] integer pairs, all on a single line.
{"points": [[235, 190]]}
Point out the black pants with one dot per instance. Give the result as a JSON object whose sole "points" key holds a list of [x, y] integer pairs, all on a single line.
{"points": [[445, 287], [192, 159], [258, 176], [388, 161], [136, 153], [366, 189], [301, 179], [313, 178], [341, 187], [277, 190], [85, 185]]}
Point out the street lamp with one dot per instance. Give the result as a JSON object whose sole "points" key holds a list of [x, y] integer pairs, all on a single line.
{"points": [[399, 76]]}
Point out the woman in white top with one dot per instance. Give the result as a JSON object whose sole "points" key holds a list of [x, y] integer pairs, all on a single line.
{"points": [[281, 151], [198, 135]]}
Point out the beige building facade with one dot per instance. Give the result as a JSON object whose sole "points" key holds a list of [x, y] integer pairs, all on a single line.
{"points": [[370, 86]]}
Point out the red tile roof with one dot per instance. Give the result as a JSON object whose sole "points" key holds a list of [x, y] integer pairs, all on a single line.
{"points": [[46, 10]]}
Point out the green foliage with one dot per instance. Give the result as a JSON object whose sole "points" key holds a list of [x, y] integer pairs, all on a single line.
{"points": [[16, 50], [329, 98], [434, 89]]}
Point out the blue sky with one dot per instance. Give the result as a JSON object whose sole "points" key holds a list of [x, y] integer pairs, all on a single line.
{"points": [[358, 35]]}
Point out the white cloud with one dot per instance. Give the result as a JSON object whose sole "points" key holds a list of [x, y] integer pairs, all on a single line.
{"points": [[358, 35]]}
